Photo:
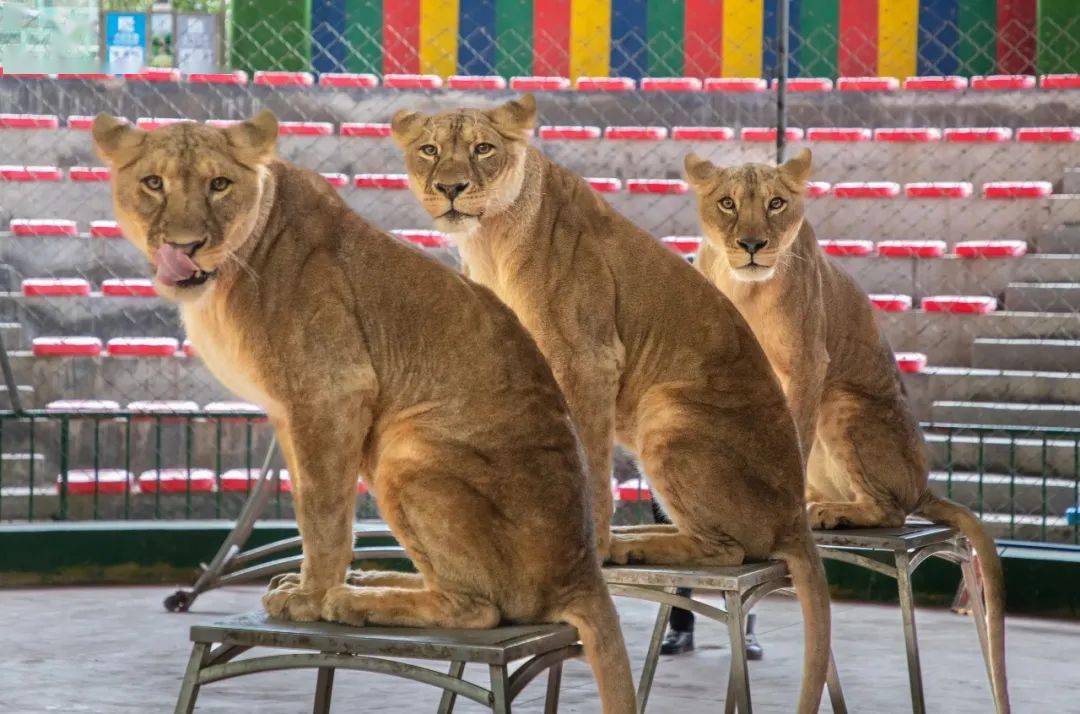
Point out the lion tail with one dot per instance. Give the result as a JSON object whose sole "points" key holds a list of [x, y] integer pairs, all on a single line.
{"points": [[597, 623], [945, 512], [812, 589]]}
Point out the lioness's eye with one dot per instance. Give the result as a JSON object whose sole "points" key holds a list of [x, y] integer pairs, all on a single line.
{"points": [[429, 149], [153, 182], [219, 183], [483, 149], [727, 203], [777, 203]]}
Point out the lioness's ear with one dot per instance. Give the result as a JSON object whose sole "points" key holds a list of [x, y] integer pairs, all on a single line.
{"points": [[518, 116], [256, 137], [798, 168], [114, 138], [699, 171], [405, 127]]}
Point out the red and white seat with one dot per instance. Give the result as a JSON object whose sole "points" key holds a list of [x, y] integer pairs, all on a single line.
{"points": [[657, 186], [364, 129], [938, 189], [283, 79], [636, 133], [683, 245], [573, 133], [128, 287], [911, 362], [142, 346], [847, 248], [66, 346], [412, 81], [539, 84], [30, 174], [635, 489], [605, 84], [105, 229], [990, 249], [350, 80], [605, 185], [702, 133], [162, 408], [891, 303], [1002, 82], [911, 248], [177, 480], [104, 482], [963, 304], [866, 189], [423, 238], [735, 84], [381, 181], [88, 173], [484, 82], [868, 84], [43, 227], [55, 287], [1017, 189]]}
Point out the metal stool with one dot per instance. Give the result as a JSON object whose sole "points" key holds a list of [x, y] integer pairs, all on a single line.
{"points": [[742, 586], [908, 547], [371, 649]]}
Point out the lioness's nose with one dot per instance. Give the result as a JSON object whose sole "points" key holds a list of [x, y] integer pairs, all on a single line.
{"points": [[752, 245], [452, 190], [187, 246]]}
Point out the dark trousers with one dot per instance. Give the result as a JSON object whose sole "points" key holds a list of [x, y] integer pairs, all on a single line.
{"points": [[681, 620]]}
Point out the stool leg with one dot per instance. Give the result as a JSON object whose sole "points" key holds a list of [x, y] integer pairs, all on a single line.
{"points": [[551, 702], [978, 611], [324, 690], [911, 639], [446, 704], [189, 690], [739, 676], [500, 690], [648, 669], [836, 692]]}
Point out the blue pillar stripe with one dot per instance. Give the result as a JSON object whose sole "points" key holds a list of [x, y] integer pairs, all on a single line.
{"points": [[476, 37], [769, 29], [629, 32], [328, 46], [939, 35]]}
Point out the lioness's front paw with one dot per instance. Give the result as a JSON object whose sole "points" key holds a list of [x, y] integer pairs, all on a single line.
{"points": [[290, 602], [340, 605], [821, 517], [283, 579]]}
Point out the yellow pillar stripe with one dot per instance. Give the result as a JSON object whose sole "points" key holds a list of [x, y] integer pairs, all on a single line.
{"points": [[898, 28], [590, 38], [743, 23], [438, 37]]}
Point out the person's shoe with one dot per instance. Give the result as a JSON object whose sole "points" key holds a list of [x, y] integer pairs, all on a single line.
{"points": [[677, 642], [754, 650]]}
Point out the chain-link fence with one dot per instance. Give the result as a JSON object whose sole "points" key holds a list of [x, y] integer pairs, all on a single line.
{"points": [[948, 196]]}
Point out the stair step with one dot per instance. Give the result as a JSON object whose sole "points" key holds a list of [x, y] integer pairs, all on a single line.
{"points": [[991, 385], [1055, 455], [1043, 297], [1063, 239], [11, 332], [26, 396], [1001, 493], [1026, 353], [1006, 413]]}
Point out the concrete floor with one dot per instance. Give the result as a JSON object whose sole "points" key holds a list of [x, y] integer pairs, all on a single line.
{"points": [[105, 650]]}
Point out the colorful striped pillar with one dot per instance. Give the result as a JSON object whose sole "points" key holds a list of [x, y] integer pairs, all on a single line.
{"points": [[476, 37], [438, 37], [1016, 36], [857, 31], [742, 27], [401, 37], [551, 37], [704, 38], [590, 38], [898, 25]]}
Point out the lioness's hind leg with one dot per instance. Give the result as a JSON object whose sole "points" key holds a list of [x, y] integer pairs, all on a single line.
{"points": [[406, 607], [869, 465], [673, 549]]}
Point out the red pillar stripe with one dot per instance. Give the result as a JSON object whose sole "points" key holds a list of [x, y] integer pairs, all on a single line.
{"points": [[401, 37], [704, 38], [551, 38], [858, 38], [1016, 36]]}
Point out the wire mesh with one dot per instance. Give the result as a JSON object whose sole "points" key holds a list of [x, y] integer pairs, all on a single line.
{"points": [[982, 290]]}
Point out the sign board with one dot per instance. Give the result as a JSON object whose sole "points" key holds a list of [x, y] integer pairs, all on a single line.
{"points": [[162, 53], [197, 43], [43, 36], [125, 42]]}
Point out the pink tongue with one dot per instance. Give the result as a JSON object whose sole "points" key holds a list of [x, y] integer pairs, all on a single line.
{"points": [[174, 265]]}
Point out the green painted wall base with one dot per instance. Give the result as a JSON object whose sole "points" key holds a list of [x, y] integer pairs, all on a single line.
{"points": [[1038, 580]]}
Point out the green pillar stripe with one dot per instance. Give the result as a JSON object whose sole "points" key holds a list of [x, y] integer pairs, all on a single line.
{"points": [[819, 30], [363, 32], [976, 46], [271, 34], [1059, 37], [513, 37], [665, 28]]}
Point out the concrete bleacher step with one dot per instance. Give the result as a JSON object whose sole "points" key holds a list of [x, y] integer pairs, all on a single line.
{"points": [[997, 385], [1063, 239], [1027, 454], [1029, 526], [15, 467], [95, 314], [1023, 353], [12, 334], [1001, 493], [26, 396], [1005, 413], [1044, 297]]}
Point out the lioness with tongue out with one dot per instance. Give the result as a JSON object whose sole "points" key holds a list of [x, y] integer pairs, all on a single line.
{"points": [[372, 358]]}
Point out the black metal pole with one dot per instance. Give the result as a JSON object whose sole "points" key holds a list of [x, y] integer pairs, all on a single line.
{"points": [[9, 378], [781, 78]]}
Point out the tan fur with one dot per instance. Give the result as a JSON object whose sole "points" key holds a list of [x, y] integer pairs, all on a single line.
{"points": [[645, 350], [372, 358], [867, 462]]}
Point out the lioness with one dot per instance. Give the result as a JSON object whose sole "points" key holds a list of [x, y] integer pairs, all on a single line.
{"points": [[371, 358], [866, 464], [645, 350]]}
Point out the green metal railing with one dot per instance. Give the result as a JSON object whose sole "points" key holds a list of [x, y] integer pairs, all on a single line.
{"points": [[1022, 480], [51, 445]]}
